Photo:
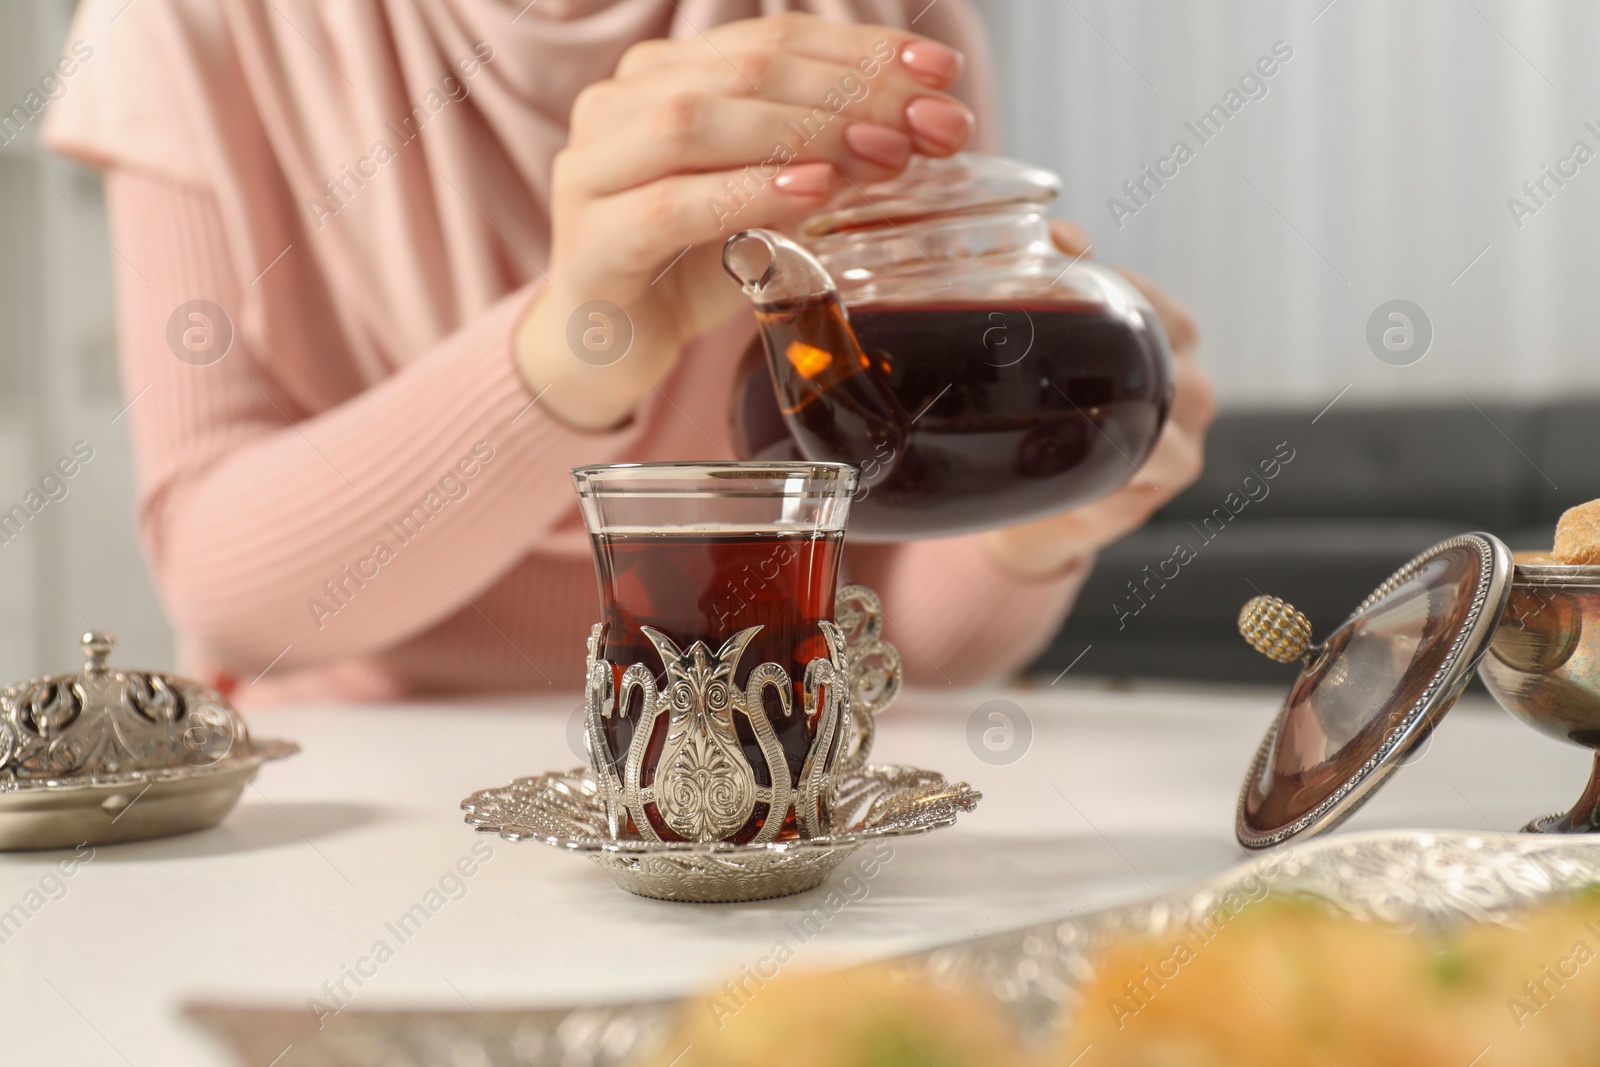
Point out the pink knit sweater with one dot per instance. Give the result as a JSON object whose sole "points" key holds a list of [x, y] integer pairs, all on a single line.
{"points": [[360, 499]]}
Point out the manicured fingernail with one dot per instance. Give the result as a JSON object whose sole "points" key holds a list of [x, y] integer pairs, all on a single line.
{"points": [[878, 144], [931, 62], [940, 121], [806, 179]]}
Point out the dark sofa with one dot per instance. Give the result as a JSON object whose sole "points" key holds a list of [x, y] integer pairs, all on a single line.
{"points": [[1366, 489]]}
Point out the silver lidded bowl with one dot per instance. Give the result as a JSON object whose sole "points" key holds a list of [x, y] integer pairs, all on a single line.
{"points": [[1543, 667], [107, 755], [1370, 694]]}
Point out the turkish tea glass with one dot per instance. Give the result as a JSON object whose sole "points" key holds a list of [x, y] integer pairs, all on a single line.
{"points": [[717, 589]]}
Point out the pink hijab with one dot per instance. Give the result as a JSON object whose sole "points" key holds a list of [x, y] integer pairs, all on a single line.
{"points": [[401, 148]]}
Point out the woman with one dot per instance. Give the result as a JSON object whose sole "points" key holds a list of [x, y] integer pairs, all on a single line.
{"points": [[351, 236]]}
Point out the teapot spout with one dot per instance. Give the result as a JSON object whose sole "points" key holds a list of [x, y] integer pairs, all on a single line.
{"points": [[772, 269], [803, 322], [836, 402]]}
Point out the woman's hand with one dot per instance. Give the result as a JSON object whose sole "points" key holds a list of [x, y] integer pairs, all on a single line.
{"points": [[1046, 546], [752, 124]]}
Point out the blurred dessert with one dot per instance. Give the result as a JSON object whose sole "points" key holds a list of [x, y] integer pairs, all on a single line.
{"points": [[1288, 982], [867, 1017], [1292, 983]]}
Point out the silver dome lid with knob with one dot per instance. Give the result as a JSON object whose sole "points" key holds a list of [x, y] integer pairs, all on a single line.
{"points": [[108, 755]]}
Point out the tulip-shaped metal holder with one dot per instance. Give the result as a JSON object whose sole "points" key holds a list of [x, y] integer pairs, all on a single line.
{"points": [[701, 787]]}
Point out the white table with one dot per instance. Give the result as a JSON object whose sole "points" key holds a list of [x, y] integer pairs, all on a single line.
{"points": [[1121, 794]]}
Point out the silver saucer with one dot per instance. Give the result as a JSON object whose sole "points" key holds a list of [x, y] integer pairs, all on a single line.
{"points": [[566, 810]]}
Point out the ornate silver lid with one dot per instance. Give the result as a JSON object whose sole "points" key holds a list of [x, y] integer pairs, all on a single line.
{"points": [[1369, 695], [77, 751]]}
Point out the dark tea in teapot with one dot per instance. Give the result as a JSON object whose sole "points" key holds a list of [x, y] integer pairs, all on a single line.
{"points": [[951, 408]]}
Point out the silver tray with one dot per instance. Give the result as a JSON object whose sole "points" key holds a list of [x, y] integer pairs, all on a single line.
{"points": [[1409, 878], [565, 810]]}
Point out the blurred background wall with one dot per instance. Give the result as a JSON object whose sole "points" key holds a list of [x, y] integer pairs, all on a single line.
{"points": [[1374, 164], [1377, 166], [75, 564]]}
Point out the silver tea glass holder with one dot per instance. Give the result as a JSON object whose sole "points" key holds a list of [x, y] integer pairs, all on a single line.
{"points": [[703, 789]]}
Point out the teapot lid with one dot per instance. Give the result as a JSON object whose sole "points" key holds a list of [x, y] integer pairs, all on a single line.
{"points": [[965, 182], [1370, 694]]}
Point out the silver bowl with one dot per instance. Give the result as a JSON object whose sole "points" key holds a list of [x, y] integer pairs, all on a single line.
{"points": [[1543, 666]]}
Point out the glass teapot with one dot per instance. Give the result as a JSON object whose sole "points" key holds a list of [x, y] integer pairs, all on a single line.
{"points": [[928, 331]]}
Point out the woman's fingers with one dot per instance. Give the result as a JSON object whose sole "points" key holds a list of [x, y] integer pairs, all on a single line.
{"points": [[868, 48], [1182, 333], [1179, 455], [1194, 402], [693, 132], [826, 91], [646, 227], [1194, 399], [1173, 464], [751, 124], [1070, 238]]}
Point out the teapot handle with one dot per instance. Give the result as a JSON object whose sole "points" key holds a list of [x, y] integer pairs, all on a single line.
{"points": [[771, 268]]}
